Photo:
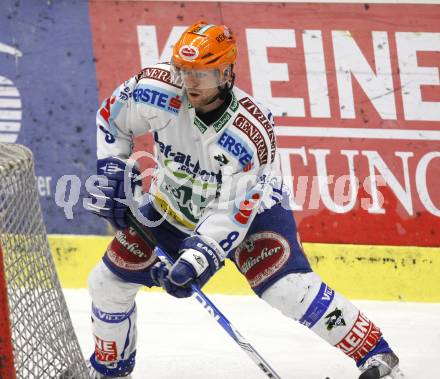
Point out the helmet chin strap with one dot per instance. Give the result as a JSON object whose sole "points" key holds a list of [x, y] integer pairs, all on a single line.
{"points": [[223, 91]]}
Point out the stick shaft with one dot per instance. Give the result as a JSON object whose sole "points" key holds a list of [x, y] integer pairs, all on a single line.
{"points": [[209, 306]]}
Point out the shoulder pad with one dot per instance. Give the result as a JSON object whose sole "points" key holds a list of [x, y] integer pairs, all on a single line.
{"points": [[159, 72], [256, 121]]}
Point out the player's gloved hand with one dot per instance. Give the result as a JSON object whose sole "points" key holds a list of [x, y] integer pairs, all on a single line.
{"points": [[200, 259], [106, 199]]}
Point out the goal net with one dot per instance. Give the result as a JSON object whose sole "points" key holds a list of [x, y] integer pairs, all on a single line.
{"points": [[44, 344]]}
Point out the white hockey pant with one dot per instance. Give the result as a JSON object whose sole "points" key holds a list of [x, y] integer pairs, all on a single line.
{"points": [[305, 298], [113, 315], [301, 296]]}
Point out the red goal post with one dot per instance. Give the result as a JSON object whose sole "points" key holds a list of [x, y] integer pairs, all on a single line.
{"points": [[6, 352]]}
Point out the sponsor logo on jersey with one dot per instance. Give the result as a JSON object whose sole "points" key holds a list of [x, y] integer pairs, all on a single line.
{"points": [[125, 91], [234, 103], [175, 102], [158, 98], [334, 319], [261, 256], [200, 125], [158, 74], [187, 201], [186, 163], [221, 158], [109, 110], [252, 108], [104, 111], [189, 52], [109, 138], [178, 215], [221, 122], [105, 351], [248, 167], [361, 339], [188, 189], [254, 134], [246, 208], [235, 146], [217, 126]]}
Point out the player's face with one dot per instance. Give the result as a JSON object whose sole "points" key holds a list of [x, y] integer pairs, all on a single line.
{"points": [[201, 86], [200, 98]]}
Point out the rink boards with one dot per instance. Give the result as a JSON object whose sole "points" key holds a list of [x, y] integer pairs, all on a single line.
{"points": [[358, 271], [354, 88]]}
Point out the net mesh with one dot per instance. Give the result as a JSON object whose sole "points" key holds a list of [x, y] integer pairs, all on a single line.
{"points": [[44, 342]]}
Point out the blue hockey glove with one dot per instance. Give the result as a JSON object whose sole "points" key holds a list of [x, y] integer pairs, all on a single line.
{"points": [[200, 259], [105, 202]]}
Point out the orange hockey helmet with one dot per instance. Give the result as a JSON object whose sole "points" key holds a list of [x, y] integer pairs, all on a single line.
{"points": [[205, 47]]}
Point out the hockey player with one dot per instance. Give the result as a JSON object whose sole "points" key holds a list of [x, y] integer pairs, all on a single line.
{"points": [[216, 193]]}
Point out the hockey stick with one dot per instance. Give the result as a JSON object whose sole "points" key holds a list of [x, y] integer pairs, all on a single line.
{"points": [[207, 304]]}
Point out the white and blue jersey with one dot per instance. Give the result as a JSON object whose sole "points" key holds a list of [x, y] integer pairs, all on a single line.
{"points": [[209, 179]]}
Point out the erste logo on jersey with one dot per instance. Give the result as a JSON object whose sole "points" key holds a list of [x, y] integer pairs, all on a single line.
{"points": [[234, 144], [158, 98], [189, 52]]}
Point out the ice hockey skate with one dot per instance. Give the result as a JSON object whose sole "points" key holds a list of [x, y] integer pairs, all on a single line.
{"points": [[381, 366]]}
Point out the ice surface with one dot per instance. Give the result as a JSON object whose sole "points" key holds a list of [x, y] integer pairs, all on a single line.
{"points": [[178, 339]]}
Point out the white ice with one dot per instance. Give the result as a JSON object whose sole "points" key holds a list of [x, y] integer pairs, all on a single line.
{"points": [[178, 339]]}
